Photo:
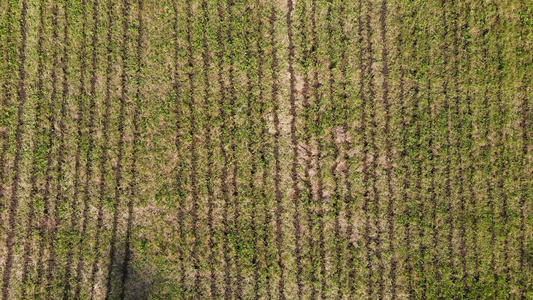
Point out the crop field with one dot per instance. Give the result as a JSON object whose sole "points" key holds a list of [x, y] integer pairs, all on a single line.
{"points": [[254, 149]]}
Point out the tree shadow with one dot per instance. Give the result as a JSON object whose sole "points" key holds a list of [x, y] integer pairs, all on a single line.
{"points": [[132, 282]]}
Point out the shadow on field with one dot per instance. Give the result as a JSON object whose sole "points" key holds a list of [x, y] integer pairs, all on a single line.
{"points": [[139, 281]]}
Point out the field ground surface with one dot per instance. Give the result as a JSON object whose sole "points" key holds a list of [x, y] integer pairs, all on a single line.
{"points": [[299, 149]]}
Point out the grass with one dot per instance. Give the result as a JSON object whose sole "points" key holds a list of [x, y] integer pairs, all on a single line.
{"points": [[255, 149]]}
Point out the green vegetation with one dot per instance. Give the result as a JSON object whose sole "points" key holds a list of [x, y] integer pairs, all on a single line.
{"points": [[266, 149]]}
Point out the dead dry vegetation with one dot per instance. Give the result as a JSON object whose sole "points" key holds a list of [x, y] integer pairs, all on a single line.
{"points": [[295, 149]]}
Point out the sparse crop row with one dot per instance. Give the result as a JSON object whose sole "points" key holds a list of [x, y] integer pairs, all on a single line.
{"points": [[14, 199]]}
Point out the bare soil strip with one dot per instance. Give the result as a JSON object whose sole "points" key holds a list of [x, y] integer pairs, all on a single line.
{"points": [[104, 149], [418, 188], [65, 94], [136, 141], [458, 145], [525, 122], [33, 179], [405, 165], [337, 227], [472, 169], [251, 148], [420, 207], [469, 137], [46, 226], [431, 192], [233, 147], [13, 204], [294, 175], [209, 146], [348, 198], [194, 159], [390, 208], [406, 184], [118, 168], [488, 151], [432, 195], [179, 143], [373, 155], [307, 145], [470, 166], [364, 66], [319, 155], [253, 217], [453, 133], [263, 153], [331, 140], [277, 172], [447, 181], [74, 202], [224, 171], [336, 120], [251, 185], [5, 102], [503, 142], [89, 159], [55, 223]]}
